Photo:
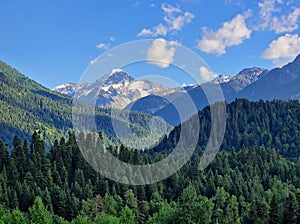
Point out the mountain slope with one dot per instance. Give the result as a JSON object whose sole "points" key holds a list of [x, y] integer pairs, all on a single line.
{"points": [[271, 124], [27, 106], [279, 83], [118, 89], [230, 86]]}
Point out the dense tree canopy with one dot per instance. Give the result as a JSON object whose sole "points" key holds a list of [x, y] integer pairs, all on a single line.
{"points": [[250, 185]]}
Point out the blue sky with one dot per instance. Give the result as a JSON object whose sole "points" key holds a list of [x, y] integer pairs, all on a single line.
{"points": [[53, 42]]}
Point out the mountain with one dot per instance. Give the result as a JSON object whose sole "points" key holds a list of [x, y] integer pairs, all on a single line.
{"points": [[238, 82], [116, 89], [152, 98], [243, 185], [279, 83], [67, 89], [230, 86], [27, 106], [271, 124]]}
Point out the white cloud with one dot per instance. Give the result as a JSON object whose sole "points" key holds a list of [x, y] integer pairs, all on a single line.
{"points": [[174, 19], [169, 9], [176, 23], [93, 61], [152, 5], [161, 52], [206, 74], [231, 33], [145, 32], [269, 18], [105, 45], [283, 50], [267, 8], [288, 23], [160, 30], [102, 46]]}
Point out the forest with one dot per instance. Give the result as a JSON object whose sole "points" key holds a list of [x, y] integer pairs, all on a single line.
{"points": [[27, 106], [255, 178]]}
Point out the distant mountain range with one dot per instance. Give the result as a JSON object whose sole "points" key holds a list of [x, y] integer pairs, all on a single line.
{"points": [[118, 89], [279, 83], [230, 85]]}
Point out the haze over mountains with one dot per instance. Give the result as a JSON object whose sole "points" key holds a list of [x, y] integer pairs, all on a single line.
{"points": [[119, 89]]}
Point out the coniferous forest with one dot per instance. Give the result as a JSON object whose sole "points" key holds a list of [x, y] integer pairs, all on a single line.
{"points": [[255, 178]]}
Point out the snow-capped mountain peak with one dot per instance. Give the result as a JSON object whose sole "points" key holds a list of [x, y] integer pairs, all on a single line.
{"points": [[116, 76], [68, 88], [116, 70], [115, 89], [221, 79], [118, 89]]}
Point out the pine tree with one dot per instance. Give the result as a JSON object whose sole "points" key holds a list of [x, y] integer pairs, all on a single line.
{"points": [[193, 208], [17, 217], [4, 159], [274, 211], [38, 213], [127, 216], [290, 209]]}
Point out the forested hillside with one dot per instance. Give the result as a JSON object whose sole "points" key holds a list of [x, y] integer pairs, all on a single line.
{"points": [[27, 106], [248, 182], [272, 124], [253, 185]]}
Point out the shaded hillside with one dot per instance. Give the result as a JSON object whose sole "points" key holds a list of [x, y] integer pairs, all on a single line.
{"points": [[269, 124], [230, 85], [279, 83], [253, 185], [27, 106]]}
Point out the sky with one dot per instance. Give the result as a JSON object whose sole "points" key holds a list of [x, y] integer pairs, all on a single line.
{"points": [[54, 42]]}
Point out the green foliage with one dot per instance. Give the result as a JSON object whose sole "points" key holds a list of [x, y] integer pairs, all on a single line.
{"points": [[165, 214], [81, 220], [273, 124], [106, 219], [193, 208], [26, 106], [38, 213], [247, 184], [127, 216], [17, 217]]}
